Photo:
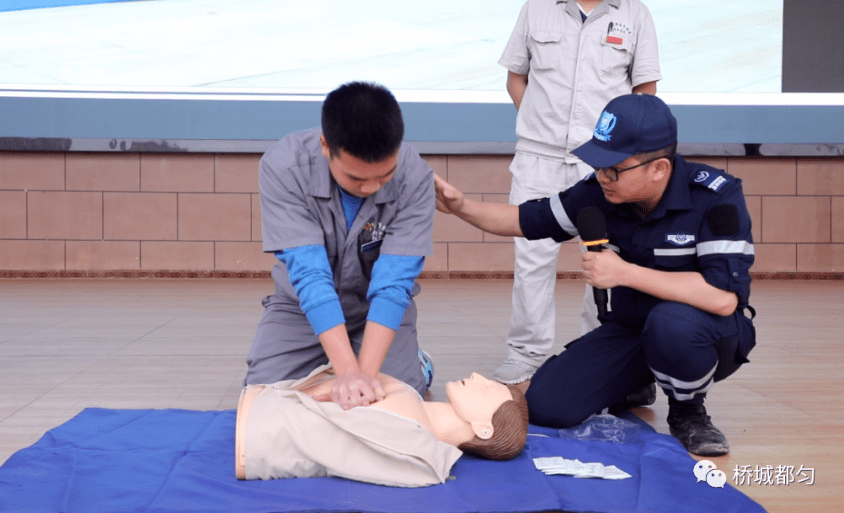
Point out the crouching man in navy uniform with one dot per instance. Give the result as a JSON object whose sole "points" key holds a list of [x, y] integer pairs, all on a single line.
{"points": [[677, 257]]}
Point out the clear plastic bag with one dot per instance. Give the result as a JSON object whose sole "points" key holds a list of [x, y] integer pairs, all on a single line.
{"points": [[604, 428]]}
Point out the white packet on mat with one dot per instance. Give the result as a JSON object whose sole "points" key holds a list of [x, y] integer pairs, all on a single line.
{"points": [[557, 465]]}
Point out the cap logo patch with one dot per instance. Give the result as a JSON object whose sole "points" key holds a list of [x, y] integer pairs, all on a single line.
{"points": [[605, 126]]}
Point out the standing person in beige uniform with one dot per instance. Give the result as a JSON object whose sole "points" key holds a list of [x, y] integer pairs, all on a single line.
{"points": [[565, 59]]}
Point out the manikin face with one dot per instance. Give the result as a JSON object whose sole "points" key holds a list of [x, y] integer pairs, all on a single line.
{"points": [[476, 399], [358, 177]]}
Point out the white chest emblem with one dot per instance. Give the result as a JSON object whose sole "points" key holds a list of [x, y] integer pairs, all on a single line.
{"points": [[680, 239]]}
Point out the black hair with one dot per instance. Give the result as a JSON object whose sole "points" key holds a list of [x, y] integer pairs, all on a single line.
{"points": [[669, 152], [364, 120]]}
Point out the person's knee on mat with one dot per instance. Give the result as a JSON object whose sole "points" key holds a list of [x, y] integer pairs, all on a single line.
{"points": [[555, 412], [557, 403]]}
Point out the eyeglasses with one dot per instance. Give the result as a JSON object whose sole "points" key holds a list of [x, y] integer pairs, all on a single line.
{"points": [[612, 173]]}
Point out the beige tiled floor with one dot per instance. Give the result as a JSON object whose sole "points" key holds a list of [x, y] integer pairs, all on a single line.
{"points": [[70, 344]]}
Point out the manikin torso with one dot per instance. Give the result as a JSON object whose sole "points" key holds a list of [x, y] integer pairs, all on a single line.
{"points": [[438, 418], [473, 401]]}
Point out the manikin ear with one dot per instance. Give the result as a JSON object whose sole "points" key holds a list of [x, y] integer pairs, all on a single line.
{"points": [[482, 430]]}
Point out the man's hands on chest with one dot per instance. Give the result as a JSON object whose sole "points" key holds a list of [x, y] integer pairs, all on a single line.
{"points": [[356, 388]]}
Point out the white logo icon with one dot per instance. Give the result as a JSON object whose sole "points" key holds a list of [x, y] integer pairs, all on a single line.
{"points": [[716, 478], [705, 470], [605, 126], [702, 468], [702, 176]]}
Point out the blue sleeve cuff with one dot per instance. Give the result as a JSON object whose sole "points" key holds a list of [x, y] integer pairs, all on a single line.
{"points": [[386, 313], [311, 277], [325, 316]]}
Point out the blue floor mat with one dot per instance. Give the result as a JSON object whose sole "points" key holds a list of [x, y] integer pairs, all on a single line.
{"points": [[183, 461]]}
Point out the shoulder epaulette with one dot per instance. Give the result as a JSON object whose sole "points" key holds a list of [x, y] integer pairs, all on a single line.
{"points": [[710, 178]]}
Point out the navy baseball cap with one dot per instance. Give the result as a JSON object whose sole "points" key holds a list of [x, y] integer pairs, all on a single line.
{"points": [[630, 124]]}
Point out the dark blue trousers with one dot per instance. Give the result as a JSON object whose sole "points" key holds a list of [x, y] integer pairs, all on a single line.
{"points": [[681, 347]]}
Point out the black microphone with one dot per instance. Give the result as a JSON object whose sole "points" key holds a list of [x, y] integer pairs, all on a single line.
{"points": [[592, 227]]}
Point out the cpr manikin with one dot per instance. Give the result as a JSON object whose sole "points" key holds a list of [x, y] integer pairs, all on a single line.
{"points": [[289, 429]]}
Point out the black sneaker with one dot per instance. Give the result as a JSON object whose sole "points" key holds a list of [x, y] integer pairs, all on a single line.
{"points": [[691, 425], [643, 397]]}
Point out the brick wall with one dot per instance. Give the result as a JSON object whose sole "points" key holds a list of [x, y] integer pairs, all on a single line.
{"points": [[200, 212]]}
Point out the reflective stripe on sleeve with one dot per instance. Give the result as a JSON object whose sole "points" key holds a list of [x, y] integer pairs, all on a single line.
{"points": [[711, 247], [675, 252], [560, 215]]}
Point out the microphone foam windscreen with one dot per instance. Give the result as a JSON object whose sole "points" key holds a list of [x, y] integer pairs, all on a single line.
{"points": [[591, 224]]}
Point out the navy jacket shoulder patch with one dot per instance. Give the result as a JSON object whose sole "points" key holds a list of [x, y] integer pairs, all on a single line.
{"points": [[710, 178]]}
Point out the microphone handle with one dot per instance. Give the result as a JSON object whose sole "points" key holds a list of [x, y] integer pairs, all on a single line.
{"points": [[599, 295]]}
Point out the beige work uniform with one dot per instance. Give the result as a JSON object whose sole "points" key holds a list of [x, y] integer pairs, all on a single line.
{"points": [[574, 69]]}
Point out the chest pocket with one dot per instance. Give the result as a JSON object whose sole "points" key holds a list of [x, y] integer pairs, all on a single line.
{"points": [[616, 58], [545, 50], [369, 245], [676, 259]]}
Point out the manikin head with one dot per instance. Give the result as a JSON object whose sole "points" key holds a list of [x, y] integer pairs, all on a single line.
{"points": [[497, 413]]}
